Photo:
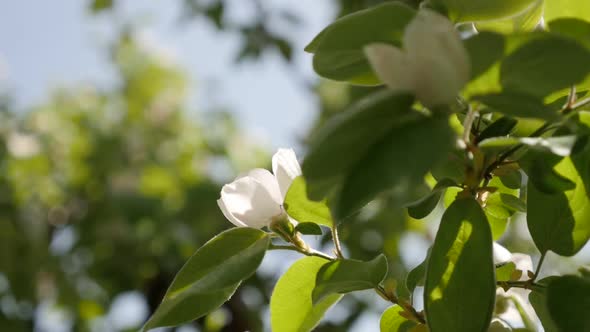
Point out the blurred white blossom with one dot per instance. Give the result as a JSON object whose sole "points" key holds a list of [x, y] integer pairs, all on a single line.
{"points": [[433, 63]]}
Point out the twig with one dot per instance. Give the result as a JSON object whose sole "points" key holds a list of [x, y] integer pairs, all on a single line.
{"points": [[538, 269], [336, 240]]}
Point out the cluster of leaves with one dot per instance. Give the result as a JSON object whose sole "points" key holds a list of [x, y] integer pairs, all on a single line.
{"points": [[104, 192], [515, 141]]}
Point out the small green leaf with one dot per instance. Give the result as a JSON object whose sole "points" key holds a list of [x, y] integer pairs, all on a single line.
{"points": [[416, 275], [568, 300], [484, 49], [308, 228], [538, 299], [291, 308], [504, 272], [514, 203], [304, 210], [561, 59], [560, 145], [211, 276], [381, 169], [338, 49], [517, 105], [392, 321], [561, 221], [423, 207], [342, 142], [347, 275], [501, 127], [460, 284]]}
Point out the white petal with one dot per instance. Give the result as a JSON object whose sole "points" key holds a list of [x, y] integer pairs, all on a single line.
{"points": [[499, 326], [228, 214], [392, 66], [249, 202], [501, 254], [523, 262], [285, 168], [267, 180], [441, 61]]}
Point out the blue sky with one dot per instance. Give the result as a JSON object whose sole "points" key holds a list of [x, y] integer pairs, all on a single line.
{"points": [[44, 44]]}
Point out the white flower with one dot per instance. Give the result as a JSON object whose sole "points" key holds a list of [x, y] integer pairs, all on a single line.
{"points": [[501, 254], [433, 64], [255, 198]]}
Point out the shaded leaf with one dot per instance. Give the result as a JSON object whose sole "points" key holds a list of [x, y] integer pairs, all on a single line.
{"points": [[568, 300], [538, 299], [517, 105], [561, 59], [308, 228], [560, 221], [338, 49], [211, 276], [381, 169], [348, 275], [342, 142], [484, 49]]}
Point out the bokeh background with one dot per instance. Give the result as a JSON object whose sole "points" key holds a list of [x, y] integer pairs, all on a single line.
{"points": [[119, 123]]}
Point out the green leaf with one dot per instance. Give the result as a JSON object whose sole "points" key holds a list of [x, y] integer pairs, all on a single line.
{"points": [[291, 308], [460, 287], [484, 49], [538, 299], [342, 142], [523, 22], [423, 207], [568, 300], [211, 276], [308, 228], [560, 221], [304, 210], [573, 28], [391, 321], [348, 275], [483, 10], [338, 49], [514, 203], [504, 272], [566, 8], [559, 145], [539, 167], [501, 127], [416, 275], [517, 105], [528, 68], [381, 169]]}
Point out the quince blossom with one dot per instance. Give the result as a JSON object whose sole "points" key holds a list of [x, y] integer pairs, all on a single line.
{"points": [[255, 199], [433, 63]]}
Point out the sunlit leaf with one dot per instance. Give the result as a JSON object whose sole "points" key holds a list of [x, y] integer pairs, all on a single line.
{"points": [[460, 284], [291, 307], [304, 210]]}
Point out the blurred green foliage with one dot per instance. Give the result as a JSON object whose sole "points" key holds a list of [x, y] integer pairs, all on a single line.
{"points": [[108, 191]]}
